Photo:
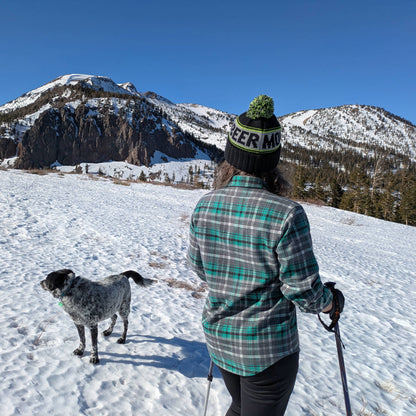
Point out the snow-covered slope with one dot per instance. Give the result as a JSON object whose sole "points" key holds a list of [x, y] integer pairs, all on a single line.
{"points": [[205, 123], [347, 126], [97, 228]]}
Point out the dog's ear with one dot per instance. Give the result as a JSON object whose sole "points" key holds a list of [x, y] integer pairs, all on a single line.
{"points": [[69, 273], [56, 280]]}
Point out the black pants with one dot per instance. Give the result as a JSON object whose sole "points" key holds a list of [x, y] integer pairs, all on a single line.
{"points": [[264, 394]]}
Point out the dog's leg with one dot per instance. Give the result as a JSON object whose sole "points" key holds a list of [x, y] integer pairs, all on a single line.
{"points": [[109, 331], [94, 349], [122, 339], [81, 332], [124, 315]]}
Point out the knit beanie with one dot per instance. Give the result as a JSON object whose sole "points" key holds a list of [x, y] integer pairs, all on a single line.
{"points": [[253, 144]]}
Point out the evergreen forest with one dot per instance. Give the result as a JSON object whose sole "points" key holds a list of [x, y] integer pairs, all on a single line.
{"points": [[382, 185]]}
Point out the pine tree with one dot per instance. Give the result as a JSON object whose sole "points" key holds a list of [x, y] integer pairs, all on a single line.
{"points": [[347, 201], [407, 210], [299, 183], [335, 193], [390, 205], [360, 191]]}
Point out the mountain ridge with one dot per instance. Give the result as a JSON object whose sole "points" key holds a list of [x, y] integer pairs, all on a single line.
{"points": [[365, 130]]}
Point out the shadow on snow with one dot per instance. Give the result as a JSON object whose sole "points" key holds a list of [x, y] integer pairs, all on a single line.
{"points": [[191, 360]]}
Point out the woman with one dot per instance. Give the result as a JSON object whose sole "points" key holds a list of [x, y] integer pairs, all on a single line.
{"points": [[253, 248]]}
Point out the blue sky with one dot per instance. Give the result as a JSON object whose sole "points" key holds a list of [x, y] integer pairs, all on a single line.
{"points": [[219, 53]]}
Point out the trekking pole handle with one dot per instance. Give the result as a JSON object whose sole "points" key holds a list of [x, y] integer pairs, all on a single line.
{"points": [[336, 305], [210, 371]]}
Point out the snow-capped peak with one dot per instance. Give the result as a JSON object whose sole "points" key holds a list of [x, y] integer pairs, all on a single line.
{"points": [[96, 82], [128, 86], [99, 83]]}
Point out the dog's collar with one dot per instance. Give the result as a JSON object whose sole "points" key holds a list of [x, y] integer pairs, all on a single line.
{"points": [[63, 294]]}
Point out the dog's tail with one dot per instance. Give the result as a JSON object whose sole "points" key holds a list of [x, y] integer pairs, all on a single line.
{"points": [[138, 279]]}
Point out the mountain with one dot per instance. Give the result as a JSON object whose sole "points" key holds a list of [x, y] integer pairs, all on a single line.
{"points": [[357, 126], [84, 118], [348, 136]]}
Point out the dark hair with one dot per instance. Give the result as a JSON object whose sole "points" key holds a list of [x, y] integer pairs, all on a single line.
{"points": [[274, 179]]}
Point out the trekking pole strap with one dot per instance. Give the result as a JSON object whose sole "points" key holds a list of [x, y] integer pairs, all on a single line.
{"points": [[336, 307], [329, 327]]}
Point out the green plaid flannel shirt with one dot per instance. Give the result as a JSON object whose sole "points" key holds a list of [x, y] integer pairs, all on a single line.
{"points": [[254, 250]]}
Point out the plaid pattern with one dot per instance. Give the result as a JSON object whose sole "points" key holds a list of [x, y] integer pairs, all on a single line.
{"points": [[254, 250]]}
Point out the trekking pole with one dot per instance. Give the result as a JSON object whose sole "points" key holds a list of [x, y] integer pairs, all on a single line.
{"points": [[209, 378], [333, 327], [340, 345]]}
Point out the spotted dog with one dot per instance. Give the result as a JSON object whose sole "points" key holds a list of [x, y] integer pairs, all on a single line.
{"points": [[89, 302]]}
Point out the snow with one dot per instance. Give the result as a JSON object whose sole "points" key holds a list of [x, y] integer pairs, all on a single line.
{"points": [[299, 119], [97, 82], [32, 96], [97, 227], [22, 125], [8, 163], [163, 169]]}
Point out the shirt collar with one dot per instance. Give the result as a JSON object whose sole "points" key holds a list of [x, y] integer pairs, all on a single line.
{"points": [[247, 182]]}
